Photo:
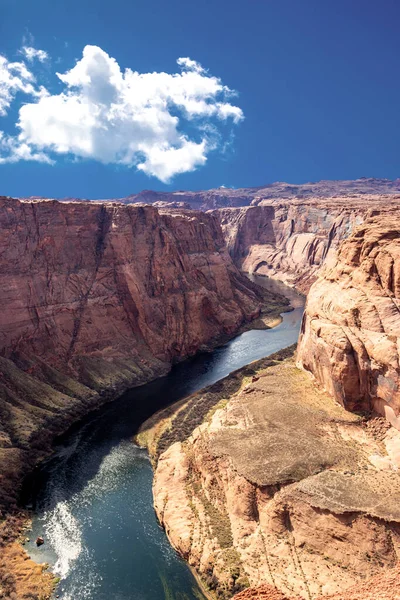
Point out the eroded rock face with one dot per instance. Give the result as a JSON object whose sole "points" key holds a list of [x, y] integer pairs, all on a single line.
{"points": [[280, 486], [96, 298], [290, 240], [84, 279], [351, 328]]}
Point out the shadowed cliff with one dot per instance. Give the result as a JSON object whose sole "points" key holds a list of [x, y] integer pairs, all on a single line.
{"points": [[97, 298]]}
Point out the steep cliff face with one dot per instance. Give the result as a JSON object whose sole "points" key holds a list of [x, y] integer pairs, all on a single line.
{"points": [[90, 279], [100, 297], [278, 486], [351, 328], [291, 240]]}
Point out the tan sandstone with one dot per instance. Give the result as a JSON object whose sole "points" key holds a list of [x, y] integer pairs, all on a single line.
{"points": [[291, 240], [279, 486], [351, 327]]}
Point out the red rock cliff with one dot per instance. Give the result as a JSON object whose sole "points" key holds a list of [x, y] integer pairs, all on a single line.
{"points": [[97, 298], [278, 485], [291, 239], [86, 279], [351, 329]]}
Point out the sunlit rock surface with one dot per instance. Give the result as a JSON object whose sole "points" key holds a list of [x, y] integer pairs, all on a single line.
{"points": [[279, 485], [351, 328], [292, 239]]}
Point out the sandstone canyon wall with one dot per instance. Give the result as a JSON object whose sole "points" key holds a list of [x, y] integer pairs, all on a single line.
{"points": [[278, 485], [350, 335], [291, 239], [97, 298], [262, 478]]}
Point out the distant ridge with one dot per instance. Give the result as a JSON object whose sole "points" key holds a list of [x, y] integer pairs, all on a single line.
{"points": [[225, 197]]}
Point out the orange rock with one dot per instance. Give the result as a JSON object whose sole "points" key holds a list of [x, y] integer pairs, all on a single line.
{"points": [[97, 298], [351, 329], [382, 587], [281, 486], [291, 239]]}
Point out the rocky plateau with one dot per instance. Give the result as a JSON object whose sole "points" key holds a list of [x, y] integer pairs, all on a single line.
{"points": [[223, 197], [245, 496], [278, 485]]}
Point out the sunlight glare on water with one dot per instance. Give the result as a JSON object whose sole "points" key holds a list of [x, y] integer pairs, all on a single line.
{"points": [[93, 497]]}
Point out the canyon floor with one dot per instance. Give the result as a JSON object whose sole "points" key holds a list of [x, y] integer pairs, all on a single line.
{"points": [[264, 478], [21, 577]]}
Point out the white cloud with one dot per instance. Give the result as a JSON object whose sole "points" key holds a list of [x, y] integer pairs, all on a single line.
{"points": [[12, 151], [190, 65], [165, 162], [14, 78], [163, 124], [31, 54]]}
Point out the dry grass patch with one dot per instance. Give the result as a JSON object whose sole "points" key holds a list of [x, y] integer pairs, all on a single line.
{"points": [[177, 422], [278, 429]]}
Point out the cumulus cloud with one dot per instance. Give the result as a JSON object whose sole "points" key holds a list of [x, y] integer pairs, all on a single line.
{"points": [[14, 77], [31, 54], [163, 124], [190, 65], [13, 150]]}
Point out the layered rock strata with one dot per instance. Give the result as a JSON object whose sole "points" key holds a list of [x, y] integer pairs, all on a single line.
{"points": [[261, 479], [350, 335], [278, 485], [97, 298], [290, 240]]}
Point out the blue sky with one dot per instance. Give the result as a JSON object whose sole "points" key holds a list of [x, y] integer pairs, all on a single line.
{"points": [[317, 85]]}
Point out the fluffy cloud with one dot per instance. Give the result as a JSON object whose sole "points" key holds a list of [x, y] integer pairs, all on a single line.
{"points": [[31, 54], [163, 124], [14, 78], [13, 150]]}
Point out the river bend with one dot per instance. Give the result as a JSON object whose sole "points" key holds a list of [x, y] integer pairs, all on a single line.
{"points": [[92, 499]]}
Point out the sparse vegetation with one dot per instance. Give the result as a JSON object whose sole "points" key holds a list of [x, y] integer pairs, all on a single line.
{"points": [[178, 421], [299, 449]]}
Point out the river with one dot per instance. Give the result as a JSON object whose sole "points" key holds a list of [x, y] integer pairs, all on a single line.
{"points": [[92, 499]]}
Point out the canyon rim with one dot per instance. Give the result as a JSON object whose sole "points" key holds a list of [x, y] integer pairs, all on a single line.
{"points": [[199, 300], [283, 477]]}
